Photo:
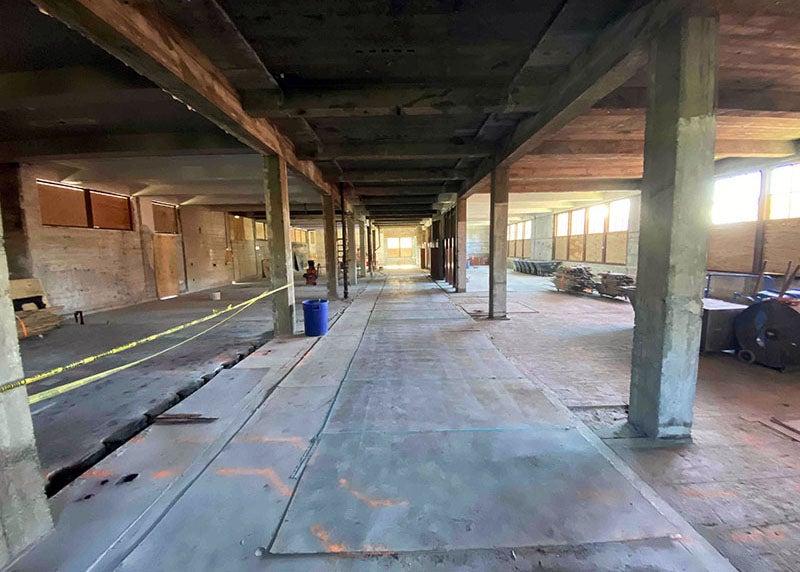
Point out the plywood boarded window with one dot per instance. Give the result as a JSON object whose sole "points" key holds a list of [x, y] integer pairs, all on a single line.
{"points": [[62, 205], [165, 218], [597, 234], [577, 240], [261, 230]]}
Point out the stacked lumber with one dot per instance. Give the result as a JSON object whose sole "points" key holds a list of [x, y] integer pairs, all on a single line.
{"points": [[614, 284], [574, 279], [35, 322]]}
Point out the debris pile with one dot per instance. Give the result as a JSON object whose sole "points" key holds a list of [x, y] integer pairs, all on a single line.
{"points": [[33, 322], [614, 284], [574, 279]]}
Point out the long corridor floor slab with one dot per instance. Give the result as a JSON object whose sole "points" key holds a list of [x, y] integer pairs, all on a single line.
{"points": [[405, 440]]}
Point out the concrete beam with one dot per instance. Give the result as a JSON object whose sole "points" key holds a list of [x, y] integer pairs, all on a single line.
{"points": [[404, 176], [153, 46], [402, 150], [498, 244], [675, 219], [129, 145], [281, 270], [392, 100]]}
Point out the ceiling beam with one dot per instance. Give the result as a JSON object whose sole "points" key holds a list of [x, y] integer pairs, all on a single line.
{"points": [[396, 191], [386, 100], [152, 45], [399, 150], [635, 97], [128, 145], [568, 185], [401, 200], [403, 176], [619, 51], [635, 147]]}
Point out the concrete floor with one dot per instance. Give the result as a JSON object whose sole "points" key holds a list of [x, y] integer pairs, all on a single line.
{"points": [[76, 429], [736, 482], [402, 440]]}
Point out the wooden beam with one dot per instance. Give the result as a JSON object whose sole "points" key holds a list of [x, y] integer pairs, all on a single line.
{"points": [[128, 145], [615, 56], [635, 147], [404, 176], [568, 186], [400, 150], [401, 200], [387, 100], [396, 191], [730, 98], [137, 34]]}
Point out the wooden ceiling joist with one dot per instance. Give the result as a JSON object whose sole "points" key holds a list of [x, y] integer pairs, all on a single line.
{"points": [[144, 39], [402, 150]]}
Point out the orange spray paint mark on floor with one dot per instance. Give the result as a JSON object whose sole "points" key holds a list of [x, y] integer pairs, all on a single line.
{"points": [[164, 473], [371, 501], [324, 538], [297, 442], [272, 477], [97, 474]]}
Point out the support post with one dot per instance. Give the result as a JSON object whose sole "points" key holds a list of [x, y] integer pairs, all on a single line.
{"points": [[281, 268], [24, 514], [352, 268], [370, 254], [17, 247], [498, 244], [362, 248], [345, 278], [461, 245], [673, 241], [331, 257]]}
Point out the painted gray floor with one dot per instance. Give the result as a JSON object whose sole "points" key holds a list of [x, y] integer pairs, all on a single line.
{"points": [[402, 440], [73, 427]]}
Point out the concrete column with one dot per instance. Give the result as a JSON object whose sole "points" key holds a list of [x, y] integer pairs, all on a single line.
{"points": [[498, 245], [362, 248], [18, 252], [461, 245], [24, 514], [352, 272], [331, 256], [675, 218], [370, 253], [281, 268]]}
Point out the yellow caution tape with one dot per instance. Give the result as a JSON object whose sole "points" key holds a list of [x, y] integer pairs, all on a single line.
{"points": [[130, 345]]}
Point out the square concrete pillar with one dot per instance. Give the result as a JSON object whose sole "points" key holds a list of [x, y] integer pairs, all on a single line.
{"points": [[362, 248], [675, 219], [498, 245], [461, 245], [370, 253], [281, 267], [352, 267], [17, 247], [331, 256], [24, 514]]}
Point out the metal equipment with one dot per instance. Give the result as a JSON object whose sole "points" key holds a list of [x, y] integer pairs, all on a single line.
{"points": [[768, 333]]}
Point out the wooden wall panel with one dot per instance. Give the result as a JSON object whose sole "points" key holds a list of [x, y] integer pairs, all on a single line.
{"points": [[594, 248], [617, 248], [576, 248], [561, 248], [165, 219], [62, 207], [168, 264], [111, 211], [781, 243], [731, 247]]}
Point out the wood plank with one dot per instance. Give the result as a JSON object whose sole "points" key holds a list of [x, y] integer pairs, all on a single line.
{"points": [[168, 264], [617, 248], [400, 150], [594, 247], [731, 247], [137, 34], [781, 243]]}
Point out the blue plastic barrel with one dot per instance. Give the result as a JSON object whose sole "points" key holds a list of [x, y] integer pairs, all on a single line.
{"points": [[315, 316]]}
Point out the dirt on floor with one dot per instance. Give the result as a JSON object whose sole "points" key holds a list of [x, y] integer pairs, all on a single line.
{"points": [[736, 481]]}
